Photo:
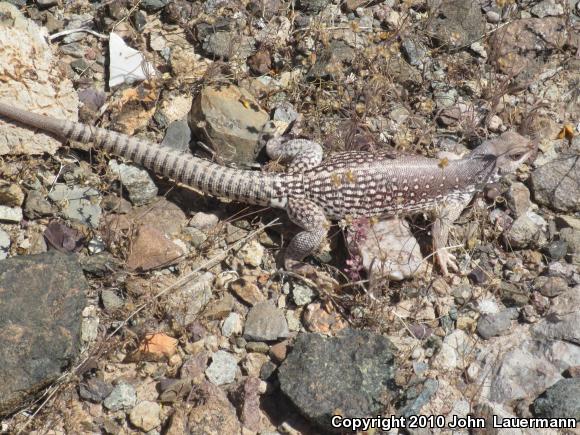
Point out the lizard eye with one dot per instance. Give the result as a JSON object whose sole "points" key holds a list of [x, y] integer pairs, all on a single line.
{"points": [[516, 156]]}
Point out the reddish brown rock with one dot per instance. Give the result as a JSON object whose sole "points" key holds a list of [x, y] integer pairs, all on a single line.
{"points": [[152, 249]]}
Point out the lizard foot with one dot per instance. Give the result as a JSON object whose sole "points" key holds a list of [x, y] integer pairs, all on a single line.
{"points": [[319, 280], [447, 261]]}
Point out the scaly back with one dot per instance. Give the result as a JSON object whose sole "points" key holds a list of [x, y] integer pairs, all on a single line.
{"points": [[364, 184]]}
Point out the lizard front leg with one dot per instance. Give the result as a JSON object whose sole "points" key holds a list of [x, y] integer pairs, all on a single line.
{"points": [[445, 216], [312, 219]]}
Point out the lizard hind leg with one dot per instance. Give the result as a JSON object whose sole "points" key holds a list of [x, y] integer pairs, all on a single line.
{"points": [[312, 219]]}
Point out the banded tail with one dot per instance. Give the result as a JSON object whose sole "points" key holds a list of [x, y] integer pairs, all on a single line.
{"points": [[246, 186]]}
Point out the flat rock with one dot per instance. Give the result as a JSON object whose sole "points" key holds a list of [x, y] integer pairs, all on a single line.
{"points": [[40, 316], [233, 120], [10, 214], [152, 249], [265, 322], [79, 203], [349, 372], [388, 249]]}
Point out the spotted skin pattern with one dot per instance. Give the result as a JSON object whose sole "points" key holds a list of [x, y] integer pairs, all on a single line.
{"points": [[313, 191]]}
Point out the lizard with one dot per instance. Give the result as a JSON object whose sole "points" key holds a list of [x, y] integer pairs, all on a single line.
{"points": [[315, 190]]}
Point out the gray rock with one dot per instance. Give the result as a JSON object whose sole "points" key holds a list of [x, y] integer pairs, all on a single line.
{"points": [[80, 66], [95, 390], [123, 396], [36, 205], [513, 296], [222, 369], [177, 136], [557, 249], [350, 372], [528, 369], [196, 237], [153, 5], [565, 326], [387, 250], [302, 295], [285, 112], [561, 400], [413, 406], [10, 214], [457, 23], [46, 319], [555, 184], [232, 325], [265, 322], [78, 203], [414, 52], [141, 188], [4, 244], [521, 47], [227, 45], [186, 302], [329, 60], [313, 6], [493, 17], [76, 21], [99, 264], [547, 8], [110, 300], [571, 236], [492, 325], [234, 233], [526, 231], [203, 221]]}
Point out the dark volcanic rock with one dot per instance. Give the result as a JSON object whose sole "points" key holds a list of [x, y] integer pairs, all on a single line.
{"points": [[560, 400], [40, 314], [350, 373]]}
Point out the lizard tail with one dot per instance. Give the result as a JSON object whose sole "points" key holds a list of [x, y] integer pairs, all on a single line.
{"points": [[242, 185]]}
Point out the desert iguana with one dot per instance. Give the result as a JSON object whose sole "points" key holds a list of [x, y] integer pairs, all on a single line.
{"points": [[346, 185]]}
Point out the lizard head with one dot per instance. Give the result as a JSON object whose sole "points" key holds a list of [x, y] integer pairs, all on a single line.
{"points": [[510, 151]]}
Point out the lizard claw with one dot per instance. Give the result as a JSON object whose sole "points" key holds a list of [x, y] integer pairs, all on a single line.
{"points": [[447, 261]]}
